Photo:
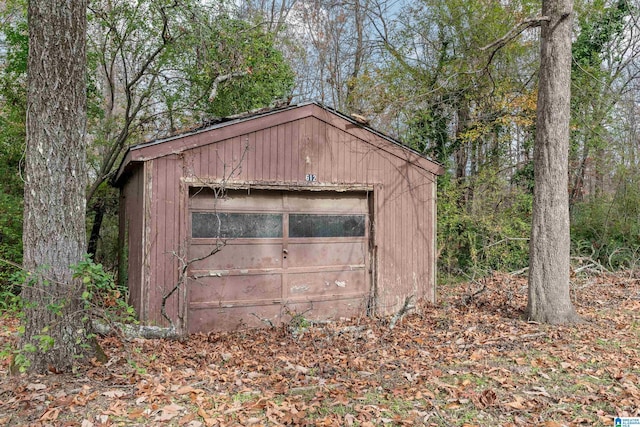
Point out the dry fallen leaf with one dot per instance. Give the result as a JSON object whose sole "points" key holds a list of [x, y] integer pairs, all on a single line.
{"points": [[114, 393], [488, 397], [169, 412], [50, 415], [349, 420], [36, 386], [517, 403], [186, 389]]}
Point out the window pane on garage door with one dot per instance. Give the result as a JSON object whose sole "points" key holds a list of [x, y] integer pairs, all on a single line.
{"points": [[309, 225], [235, 225]]}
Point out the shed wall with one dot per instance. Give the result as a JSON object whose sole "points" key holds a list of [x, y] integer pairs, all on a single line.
{"points": [[305, 153], [167, 246], [131, 236], [288, 153]]}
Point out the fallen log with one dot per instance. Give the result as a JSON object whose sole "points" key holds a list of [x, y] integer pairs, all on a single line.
{"points": [[131, 331]]}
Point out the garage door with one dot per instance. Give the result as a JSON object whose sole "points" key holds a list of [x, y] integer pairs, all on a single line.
{"points": [[285, 253]]}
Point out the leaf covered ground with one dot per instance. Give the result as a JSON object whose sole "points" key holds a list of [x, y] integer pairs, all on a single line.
{"points": [[461, 362]]}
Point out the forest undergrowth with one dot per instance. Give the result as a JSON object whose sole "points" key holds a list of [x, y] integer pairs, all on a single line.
{"points": [[468, 360]]}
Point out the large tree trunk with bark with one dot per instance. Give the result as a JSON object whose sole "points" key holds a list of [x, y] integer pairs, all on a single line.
{"points": [[56, 328], [549, 298]]}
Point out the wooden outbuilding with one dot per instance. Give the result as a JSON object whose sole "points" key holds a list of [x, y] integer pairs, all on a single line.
{"points": [[313, 214]]}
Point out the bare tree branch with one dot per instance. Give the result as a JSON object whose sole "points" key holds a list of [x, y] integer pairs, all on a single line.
{"points": [[221, 79], [183, 277], [406, 307], [219, 192], [513, 33]]}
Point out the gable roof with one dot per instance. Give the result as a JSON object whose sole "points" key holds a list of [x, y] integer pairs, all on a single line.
{"points": [[222, 129]]}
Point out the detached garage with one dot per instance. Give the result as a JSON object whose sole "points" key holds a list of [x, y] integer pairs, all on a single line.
{"points": [[299, 210]]}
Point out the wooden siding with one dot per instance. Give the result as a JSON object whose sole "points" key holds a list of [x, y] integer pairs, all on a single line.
{"points": [[284, 151], [285, 154], [243, 127], [131, 237], [166, 238]]}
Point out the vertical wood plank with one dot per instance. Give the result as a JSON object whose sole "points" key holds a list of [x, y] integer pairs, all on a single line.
{"points": [[333, 143], [273, 154], [280, 154], [260, 155], [295, 151], [308, 148], [201, 166], [287, 152], [215, 160], [251, 156]]}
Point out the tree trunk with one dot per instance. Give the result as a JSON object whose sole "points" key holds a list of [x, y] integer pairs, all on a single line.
{"points": [[549, 300], [351, 103], [54, 237], [98, 209], [462, 147], [577, 189]]}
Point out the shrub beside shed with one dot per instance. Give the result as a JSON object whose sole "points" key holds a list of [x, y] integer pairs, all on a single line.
{"points": [[313, 213]]}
